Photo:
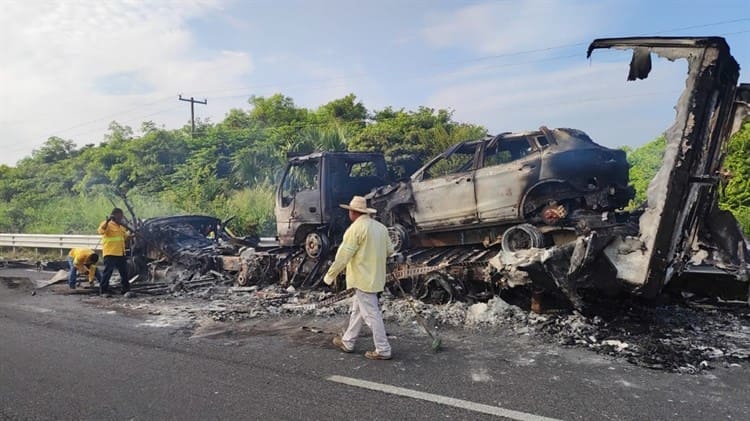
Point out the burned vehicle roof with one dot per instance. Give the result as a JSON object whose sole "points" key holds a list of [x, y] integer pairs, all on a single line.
{"points": [[543, 177], [180, 219], [190, 240], [293, 157]]}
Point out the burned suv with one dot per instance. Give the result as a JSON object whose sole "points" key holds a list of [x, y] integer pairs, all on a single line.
{"points": [[534, 182]]}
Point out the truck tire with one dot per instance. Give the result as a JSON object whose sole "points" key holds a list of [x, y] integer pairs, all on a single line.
{"points": [[521, 237], [317, 245]]}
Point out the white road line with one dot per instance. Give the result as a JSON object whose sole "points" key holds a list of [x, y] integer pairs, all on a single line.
{"points": [[443, 400]]}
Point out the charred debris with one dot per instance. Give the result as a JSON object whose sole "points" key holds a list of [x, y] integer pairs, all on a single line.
{"points": [[511, 215], [511, 218]]}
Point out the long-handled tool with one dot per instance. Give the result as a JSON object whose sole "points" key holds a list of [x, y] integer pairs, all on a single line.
{"points": [[436, 341], [335, 298]]}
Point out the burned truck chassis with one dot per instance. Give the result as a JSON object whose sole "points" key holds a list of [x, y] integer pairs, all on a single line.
{"points": [[611, 253], [665, 236], [438, 275]]}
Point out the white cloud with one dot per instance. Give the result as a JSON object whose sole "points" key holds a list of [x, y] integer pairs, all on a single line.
{"points": [[536, 83], [56, 55], [501, 27], [593, 97], [327, 82], [312, 82]]}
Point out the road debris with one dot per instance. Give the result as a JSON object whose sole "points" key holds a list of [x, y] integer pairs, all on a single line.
{"points": [[684, 335], [59, 276], [565, 237], [562, 261]]}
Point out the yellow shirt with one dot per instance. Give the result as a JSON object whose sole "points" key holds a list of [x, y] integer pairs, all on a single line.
{"points": [[113, 238], [363, 253], [79, 261]]}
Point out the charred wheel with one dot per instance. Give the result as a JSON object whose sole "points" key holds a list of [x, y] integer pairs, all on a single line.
{"points": [[257, 269], [522, 237], [399, 237], [316, 245], [436, 289]]}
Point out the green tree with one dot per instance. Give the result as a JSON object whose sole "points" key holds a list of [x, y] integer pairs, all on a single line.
{"points": [[409, 138], [736, 193], [346, 109], [276, 111], [644, 162], [54, 149]]}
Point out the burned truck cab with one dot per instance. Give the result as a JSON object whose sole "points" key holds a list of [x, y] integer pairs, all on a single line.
{"points": [[311, 190]]}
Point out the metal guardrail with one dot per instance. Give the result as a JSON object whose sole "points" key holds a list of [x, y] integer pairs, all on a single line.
{"points": [[50, 241], [63, 241]]}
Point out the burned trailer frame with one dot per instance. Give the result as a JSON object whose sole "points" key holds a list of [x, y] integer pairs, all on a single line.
{"points": [[638, 252], [684, 191], [681, 230], [720, 267]]}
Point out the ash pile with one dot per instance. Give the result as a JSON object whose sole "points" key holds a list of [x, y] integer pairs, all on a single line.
{"points": [[234, 304], [685, 335], [215, 295]]}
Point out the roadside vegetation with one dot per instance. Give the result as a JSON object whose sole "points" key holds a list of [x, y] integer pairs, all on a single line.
{"points": [[735, 195], [229, 168], [223, 169], [735, 190]]}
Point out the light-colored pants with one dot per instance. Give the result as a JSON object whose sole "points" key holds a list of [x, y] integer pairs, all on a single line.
{"points": [[365, 308]]}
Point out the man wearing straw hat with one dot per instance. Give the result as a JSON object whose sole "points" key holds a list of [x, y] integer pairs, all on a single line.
{"points": [[363, 253]]}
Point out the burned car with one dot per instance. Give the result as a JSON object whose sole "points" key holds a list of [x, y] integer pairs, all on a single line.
{"points": [[532, 182], [191, 241]]}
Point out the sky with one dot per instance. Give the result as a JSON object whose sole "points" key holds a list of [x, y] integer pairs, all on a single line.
{"points": [[68, 68]]}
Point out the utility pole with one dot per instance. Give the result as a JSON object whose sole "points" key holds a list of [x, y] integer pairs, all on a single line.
{"points": [[192, 110]]}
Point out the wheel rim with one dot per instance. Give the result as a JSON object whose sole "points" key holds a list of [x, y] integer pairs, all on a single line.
{"points": [[519, 240], [521, 237], [316, 245], [397, 234]]}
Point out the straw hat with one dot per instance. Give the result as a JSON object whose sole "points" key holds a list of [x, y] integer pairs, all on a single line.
{"points": [[359, 204]]}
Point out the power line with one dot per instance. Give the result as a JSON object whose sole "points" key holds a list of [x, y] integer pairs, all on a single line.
{"points": [[482, 58], [703, 25], [140, 119], [475, 59], [302, 125], [493, 66], [470, 60], [114, 114]]}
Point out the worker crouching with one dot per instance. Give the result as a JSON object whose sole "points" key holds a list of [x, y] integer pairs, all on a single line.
{"points": [[82, 260], [363, 253]]}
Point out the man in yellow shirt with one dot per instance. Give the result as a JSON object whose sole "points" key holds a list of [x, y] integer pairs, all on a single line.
{"points": [[363, 253], [114, 235], [82, 260]]}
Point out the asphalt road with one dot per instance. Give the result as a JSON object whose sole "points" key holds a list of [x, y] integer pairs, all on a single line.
{"points": [[76, 357]]}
